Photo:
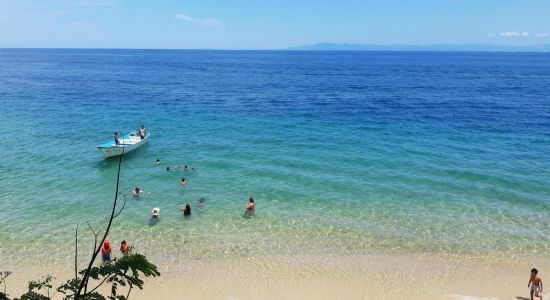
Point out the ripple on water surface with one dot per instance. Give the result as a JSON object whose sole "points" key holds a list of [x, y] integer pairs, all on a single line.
{"points": [[345, 153]]}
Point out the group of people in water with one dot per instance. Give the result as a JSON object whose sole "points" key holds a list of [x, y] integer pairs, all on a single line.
{"points": [[137, 192], [186, 210]]}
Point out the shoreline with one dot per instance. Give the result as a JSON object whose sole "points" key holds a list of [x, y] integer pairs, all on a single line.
{"points": [[332, 276]]}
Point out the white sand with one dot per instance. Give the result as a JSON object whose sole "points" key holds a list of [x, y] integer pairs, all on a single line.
{"points": [[372, 276]]}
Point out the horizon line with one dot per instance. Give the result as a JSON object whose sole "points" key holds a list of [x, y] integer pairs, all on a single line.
{"points": [[297, 49]]}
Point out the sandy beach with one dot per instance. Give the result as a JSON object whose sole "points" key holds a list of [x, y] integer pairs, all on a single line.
{"points": [[373, 276]]}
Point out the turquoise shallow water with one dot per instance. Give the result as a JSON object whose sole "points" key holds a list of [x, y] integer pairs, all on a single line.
{"points": [[344, 152]]}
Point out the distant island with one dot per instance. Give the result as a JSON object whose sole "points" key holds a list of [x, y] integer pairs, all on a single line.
{"points": [[433, 47]]}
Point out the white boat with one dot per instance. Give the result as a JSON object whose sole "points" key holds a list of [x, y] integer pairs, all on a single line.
{"points": [[129, 142]]}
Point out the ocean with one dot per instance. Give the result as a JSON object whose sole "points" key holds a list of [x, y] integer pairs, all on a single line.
{"points": [[344, 152]]}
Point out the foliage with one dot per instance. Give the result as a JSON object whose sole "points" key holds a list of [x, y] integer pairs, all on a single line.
{"points": [[3, 277], [125, 272], [35, 287]]}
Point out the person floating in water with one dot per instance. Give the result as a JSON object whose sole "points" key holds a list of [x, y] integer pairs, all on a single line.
{"points": [[157, 162], [186, 168], [117, 141], [142, 132], [137, 192], [155, 214], [250, 207], [186, 210], [168, 169], [183, 182], [124, 248], [201, 202], [106, 251], [536, 284]]}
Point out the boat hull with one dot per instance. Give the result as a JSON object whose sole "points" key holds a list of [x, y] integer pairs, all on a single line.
{"points": [[128, 144]]}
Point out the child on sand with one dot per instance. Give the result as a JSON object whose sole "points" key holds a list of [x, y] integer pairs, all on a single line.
{"points": [[536, 284]]}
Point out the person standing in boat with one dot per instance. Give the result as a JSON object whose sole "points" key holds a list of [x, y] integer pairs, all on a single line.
{"points": [[142, 132], [116, 139]]}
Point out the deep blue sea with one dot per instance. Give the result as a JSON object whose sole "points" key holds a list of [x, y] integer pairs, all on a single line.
{"points": [[344, 152]]}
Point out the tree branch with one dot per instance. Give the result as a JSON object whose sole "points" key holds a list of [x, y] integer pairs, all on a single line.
{"points": [[76, 252], [123, 205], [129, 290], [95, 235], [95, 288], [96, 252]]}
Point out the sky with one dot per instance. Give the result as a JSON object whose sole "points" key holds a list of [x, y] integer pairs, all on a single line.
{"points": [[275, 24]]}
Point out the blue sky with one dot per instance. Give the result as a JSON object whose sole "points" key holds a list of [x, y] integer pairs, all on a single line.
{"points": [[275, 24]]}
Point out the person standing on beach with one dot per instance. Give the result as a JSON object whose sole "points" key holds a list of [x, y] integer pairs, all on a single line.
{"points": [[536, 284], [106, 251], [250, 207]]}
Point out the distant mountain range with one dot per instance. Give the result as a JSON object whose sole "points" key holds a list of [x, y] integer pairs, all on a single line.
{"points": [[434, 47]]}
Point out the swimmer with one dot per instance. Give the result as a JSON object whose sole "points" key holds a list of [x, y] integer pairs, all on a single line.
{"points": [[168, 169], [157, 162], [183, 182], [186, 168], [137, 192], [186, 210], [155, 214], [201, 202], [250, 207]]}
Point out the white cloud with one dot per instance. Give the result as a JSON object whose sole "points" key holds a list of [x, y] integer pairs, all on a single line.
{"points": [[542, 34], [514, 33], [203, 22], [183, 17]]}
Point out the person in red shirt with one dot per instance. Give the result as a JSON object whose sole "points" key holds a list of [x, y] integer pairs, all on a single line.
{"points": [[124, 248], [106, 251]]}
